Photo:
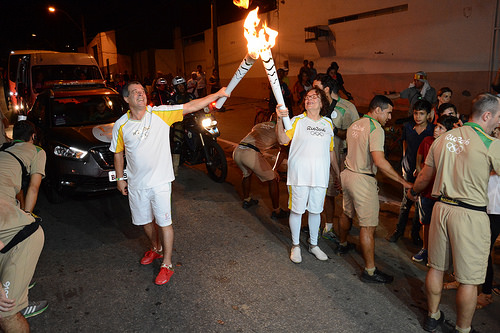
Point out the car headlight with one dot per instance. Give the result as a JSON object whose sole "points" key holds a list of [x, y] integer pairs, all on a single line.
{"points": [[70, 152], [208, 122]]}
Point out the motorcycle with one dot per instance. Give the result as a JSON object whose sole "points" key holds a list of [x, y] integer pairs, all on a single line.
{"points": [[196, 142]]}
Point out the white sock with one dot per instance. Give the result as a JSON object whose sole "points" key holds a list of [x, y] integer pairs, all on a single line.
{"points": [[314, 222], [295, 221]]}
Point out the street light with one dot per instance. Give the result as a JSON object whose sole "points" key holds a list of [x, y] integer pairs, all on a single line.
{"points": [[81, 28]]}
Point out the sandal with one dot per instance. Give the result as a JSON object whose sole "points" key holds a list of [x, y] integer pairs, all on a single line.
{"points": [[496, 290], [451, 285], [483, 300]]}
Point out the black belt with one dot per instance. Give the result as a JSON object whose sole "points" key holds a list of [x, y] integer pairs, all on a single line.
{"points": [[22, 235], [361, 173], [249, 145], [455, 202]]}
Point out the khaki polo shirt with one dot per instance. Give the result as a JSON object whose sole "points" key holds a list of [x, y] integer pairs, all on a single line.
{"points": [[462, 159], [364, 136], [33, 158]]}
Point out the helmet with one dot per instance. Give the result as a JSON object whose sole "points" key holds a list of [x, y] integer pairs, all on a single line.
{"points": [[178, 80], [161, 80]]}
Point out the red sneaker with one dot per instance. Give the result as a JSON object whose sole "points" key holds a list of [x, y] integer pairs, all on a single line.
{"points": [[164, 275], [149, 256]]}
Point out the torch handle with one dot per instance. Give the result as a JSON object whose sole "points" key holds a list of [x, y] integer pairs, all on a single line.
{"points": [[272, 75], [245, 66]]}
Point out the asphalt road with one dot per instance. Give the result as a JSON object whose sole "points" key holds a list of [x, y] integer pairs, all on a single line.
{"points": [[232, 269]]}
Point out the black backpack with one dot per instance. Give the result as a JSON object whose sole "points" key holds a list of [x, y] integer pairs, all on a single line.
{"points": [[25, 182]]}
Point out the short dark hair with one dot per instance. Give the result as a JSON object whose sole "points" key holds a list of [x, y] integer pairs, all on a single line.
{"points": [[327, 81], [444, 90], [485, 102], [380, 101], [125, 92], [23, 130], [422, 104], [447, 121], [445, 106]]}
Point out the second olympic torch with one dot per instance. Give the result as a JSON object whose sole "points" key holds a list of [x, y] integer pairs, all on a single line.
{"points": [[272, 74]]}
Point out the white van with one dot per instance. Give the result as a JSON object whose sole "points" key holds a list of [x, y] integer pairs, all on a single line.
{"points": [[32, 71]]}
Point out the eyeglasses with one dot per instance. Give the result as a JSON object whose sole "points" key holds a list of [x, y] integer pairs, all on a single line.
{"points": [[311, 97]]}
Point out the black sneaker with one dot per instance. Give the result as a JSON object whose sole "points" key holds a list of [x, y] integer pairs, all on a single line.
{"points": [[344, 249], [393, 238], [377, 277], [249, 203], [34, 308], [281, 215], [431, 324]]}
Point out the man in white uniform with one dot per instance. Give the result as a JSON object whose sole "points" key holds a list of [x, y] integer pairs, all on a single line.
{"points": [[143, 134]]}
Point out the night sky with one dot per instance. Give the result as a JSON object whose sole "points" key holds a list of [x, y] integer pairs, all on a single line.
{"points": [[140, 24]]}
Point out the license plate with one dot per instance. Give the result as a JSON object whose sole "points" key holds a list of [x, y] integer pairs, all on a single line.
{"points": [[112, 175]]}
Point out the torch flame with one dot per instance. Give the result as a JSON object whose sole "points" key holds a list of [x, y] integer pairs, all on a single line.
{"points": [[241, 3], [259, 39]]}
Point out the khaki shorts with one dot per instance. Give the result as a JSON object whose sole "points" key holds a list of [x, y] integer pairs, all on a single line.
{"points": [[17, 267], [463, 234], [360, 197], [332, 191], [248, 160]]}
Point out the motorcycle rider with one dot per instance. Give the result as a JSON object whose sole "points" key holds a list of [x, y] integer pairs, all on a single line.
{"points": [[160, 94], [181, 96]]}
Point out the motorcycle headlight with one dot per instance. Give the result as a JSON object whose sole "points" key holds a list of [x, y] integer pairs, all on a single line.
{"points": [[70, 152], [208, 122]]}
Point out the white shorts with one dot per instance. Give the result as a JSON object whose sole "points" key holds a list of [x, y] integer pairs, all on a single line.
{"points": [[301, 198], [149, 203]]}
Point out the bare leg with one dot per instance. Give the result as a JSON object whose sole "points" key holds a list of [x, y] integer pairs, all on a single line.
{"points": [[345, 225], [466, 304], [168, 243], [426, 235], [433, 288], [367, 241], [330, 212], [245, 184], [274, 193], [15, 323], [151, 230]]}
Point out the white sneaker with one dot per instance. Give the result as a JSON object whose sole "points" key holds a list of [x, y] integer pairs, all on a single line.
{"points": [[318, 253], [295, 255]]}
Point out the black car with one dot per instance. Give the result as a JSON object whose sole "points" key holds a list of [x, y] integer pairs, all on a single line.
{"points": [[74, 125]]}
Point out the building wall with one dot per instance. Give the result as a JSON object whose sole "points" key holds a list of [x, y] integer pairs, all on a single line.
{"points": [[452, 40]]}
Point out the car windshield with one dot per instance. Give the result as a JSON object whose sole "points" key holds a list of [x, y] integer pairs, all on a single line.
{"points": [[42, 74], [86, 110]]}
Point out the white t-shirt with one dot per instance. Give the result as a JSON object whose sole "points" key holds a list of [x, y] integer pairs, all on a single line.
{"points": [[147, 145], [309, 156]]}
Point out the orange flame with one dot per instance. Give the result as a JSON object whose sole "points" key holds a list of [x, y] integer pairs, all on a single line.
{"points": [[241, 3], [260, 38]]}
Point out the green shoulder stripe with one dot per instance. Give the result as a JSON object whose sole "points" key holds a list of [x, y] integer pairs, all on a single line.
{"points": [[38, 148], [340, 109], [373, 126], [487, 140]]}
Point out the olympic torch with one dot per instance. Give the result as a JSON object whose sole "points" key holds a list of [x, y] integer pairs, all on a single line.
{"points": [[260, 42], [245, 66]]}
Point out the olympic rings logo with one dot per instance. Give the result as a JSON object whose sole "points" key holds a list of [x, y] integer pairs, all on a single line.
{"points": [[454, 148], [316, 133]]}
